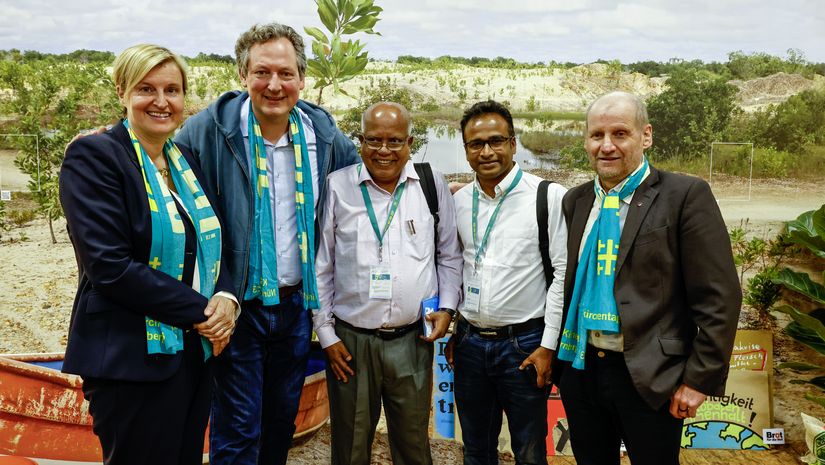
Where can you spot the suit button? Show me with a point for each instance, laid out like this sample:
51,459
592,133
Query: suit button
600,353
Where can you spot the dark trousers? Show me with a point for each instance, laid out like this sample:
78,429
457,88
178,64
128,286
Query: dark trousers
396,372
487,382
160,422
603,408
258,383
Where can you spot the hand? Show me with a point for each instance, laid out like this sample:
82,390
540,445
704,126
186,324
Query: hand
82,134
441,321
541,358
455,186
338,357
448,350
218,346
220,323
685,401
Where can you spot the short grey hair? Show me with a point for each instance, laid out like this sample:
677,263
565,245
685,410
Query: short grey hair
401,109
261,33
642,119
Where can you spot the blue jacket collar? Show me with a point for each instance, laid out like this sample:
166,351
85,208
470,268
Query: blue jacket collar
225,111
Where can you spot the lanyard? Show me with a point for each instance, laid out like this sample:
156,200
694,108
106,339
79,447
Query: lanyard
396,198
481,248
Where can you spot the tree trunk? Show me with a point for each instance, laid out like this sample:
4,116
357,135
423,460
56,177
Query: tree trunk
51,230
320,95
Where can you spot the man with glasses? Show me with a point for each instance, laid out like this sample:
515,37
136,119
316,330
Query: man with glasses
378,265
509,319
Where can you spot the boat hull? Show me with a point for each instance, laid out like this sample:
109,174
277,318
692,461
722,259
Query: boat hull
45,420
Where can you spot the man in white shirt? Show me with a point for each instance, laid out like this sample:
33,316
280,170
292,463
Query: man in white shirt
377,263
506,335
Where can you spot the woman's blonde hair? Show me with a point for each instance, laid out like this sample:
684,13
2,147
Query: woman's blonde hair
134,63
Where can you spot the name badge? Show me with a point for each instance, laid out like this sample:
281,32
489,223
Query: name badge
472,294
380,282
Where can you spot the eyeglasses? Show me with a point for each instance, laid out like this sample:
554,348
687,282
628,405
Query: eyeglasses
392,145
496,144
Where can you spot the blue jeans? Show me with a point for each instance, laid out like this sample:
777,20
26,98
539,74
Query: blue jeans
258,383
487,382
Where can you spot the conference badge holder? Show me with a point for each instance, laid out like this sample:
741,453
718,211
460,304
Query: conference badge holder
380,282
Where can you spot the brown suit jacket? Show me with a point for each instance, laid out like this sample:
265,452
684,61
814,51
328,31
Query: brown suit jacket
677,290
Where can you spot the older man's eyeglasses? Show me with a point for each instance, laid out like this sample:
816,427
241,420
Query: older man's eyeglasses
496,143
392,145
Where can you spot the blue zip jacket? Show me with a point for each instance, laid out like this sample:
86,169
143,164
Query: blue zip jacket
214,137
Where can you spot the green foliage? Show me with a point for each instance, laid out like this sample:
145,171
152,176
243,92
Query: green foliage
808,230
574,156
762,292
532,105
386,91
20,218
690,114
744,66
546,142
793,124
798,366
757,253
449,62
338,60
54,100
4,221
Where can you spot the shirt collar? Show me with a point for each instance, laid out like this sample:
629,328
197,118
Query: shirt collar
503,184
407,173
618,187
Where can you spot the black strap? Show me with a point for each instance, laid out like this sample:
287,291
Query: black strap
544,239
425,172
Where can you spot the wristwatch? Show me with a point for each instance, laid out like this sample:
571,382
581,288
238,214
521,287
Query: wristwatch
449,311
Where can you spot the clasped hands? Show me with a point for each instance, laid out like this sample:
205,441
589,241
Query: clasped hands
220,322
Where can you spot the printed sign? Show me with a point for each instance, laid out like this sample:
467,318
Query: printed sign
444,419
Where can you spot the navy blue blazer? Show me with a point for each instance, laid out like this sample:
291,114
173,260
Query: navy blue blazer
104,199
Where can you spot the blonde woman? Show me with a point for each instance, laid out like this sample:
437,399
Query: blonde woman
152,306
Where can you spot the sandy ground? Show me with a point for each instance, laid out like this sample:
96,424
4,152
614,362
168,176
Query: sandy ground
39,281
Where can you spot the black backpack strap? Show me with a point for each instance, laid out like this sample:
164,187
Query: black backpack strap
425,172
544,239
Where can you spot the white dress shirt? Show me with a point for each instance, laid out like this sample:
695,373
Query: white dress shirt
614,342
349,248
280,170
511,273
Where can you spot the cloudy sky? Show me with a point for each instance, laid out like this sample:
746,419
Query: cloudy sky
536,30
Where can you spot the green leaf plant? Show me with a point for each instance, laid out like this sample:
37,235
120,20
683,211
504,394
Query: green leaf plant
808,231
337,60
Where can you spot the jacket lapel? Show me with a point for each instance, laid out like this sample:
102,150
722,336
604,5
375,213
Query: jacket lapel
121,134
580,214
639,206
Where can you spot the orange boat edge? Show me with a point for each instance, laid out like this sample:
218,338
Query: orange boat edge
44,419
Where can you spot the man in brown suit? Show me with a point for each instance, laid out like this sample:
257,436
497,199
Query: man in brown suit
675,297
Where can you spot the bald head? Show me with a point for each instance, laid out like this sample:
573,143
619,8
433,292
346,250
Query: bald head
618,98
390,110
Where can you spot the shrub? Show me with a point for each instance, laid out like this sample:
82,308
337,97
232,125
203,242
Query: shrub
20,218
762,292
574,156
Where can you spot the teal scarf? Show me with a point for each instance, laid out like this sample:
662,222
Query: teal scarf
593,305
169,238
263,266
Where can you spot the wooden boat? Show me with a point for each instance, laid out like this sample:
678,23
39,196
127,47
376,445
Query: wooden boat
44,419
